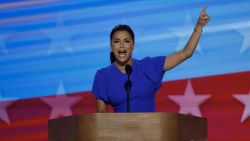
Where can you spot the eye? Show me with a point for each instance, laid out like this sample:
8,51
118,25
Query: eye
127,41
116,41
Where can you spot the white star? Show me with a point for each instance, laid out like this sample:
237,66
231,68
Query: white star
184,32
245,32
60,38
244,99
61,104
4,103
189,102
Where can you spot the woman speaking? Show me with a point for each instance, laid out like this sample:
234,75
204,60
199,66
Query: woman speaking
130,85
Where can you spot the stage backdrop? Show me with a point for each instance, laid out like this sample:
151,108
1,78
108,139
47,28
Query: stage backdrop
51,49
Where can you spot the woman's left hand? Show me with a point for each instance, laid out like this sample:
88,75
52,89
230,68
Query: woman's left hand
203,18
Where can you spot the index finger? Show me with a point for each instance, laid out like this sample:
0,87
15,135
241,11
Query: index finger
204,8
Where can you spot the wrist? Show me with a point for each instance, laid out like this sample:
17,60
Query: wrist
198,28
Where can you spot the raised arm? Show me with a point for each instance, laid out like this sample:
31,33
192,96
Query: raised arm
178,57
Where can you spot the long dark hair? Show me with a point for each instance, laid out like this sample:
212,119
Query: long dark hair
120,27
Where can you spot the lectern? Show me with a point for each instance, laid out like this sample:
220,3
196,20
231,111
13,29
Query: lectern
128,127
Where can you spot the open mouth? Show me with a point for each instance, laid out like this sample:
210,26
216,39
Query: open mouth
122,53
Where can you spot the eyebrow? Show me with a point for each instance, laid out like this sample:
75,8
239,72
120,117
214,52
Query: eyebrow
123,39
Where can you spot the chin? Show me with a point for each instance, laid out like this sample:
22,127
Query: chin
122,61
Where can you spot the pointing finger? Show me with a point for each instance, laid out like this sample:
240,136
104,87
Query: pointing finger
204,8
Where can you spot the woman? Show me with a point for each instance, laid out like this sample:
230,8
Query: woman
147,74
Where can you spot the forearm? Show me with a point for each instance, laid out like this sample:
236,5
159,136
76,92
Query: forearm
191,45
101,106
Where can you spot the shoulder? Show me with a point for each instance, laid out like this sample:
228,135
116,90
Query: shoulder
152,60
104,71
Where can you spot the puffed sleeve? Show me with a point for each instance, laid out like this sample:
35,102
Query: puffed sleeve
153,67
99,87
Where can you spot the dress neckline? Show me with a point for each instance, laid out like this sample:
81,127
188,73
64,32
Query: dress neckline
119,71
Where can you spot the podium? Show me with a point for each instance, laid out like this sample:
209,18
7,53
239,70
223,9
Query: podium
128,127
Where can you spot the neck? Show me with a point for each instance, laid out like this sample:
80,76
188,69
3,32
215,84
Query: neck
121,66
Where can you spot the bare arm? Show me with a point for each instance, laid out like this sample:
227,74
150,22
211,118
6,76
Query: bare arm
101,106
178,57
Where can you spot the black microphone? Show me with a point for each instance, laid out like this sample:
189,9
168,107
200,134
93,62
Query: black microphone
128,69
128,85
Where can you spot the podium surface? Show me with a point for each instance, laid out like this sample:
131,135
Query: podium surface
128,127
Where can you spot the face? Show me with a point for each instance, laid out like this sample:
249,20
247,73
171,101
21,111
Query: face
122,46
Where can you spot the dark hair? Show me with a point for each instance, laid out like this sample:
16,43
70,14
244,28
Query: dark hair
112,57
120,27
123,27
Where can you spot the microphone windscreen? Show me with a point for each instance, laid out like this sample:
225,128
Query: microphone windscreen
128,69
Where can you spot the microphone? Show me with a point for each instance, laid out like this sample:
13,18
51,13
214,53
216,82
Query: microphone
128,69
128,85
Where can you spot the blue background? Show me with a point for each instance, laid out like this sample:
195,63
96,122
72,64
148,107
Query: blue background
46,43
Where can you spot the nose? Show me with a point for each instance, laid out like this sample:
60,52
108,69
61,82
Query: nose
121,44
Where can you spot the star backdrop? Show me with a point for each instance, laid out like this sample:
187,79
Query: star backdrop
50,51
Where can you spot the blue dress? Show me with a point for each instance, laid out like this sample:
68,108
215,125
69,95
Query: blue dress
146,79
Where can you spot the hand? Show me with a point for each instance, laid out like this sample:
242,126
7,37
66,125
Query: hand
203,18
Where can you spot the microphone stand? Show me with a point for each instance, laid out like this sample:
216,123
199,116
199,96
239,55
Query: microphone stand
128,85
